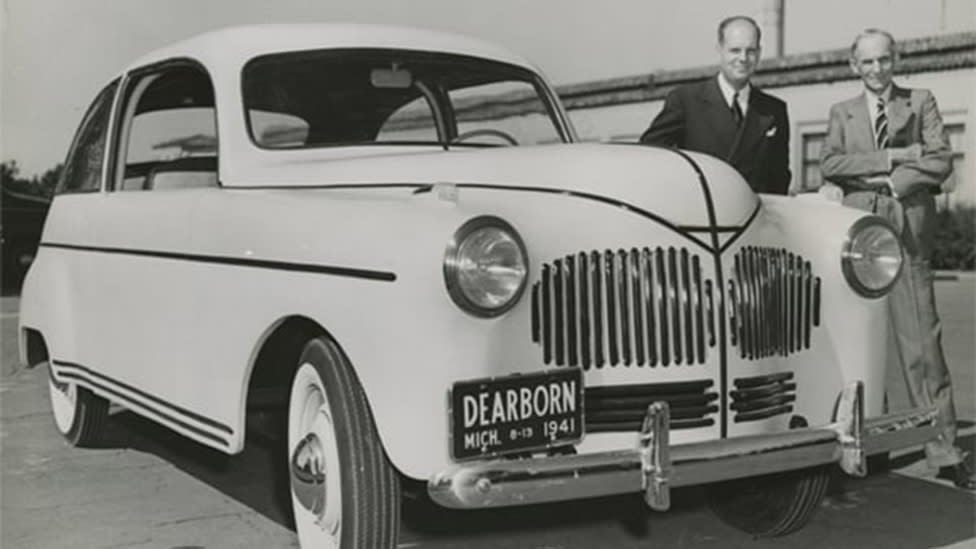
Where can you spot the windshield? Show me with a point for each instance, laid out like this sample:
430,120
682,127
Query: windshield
390,97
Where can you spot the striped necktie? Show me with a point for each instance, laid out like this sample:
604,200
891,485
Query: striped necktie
881,126
736,109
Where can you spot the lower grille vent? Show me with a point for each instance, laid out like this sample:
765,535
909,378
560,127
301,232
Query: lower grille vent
622,407
760,397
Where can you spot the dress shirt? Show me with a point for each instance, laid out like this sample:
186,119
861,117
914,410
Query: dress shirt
872,99
728,92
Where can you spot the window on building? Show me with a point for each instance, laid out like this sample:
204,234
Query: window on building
957,181
810,179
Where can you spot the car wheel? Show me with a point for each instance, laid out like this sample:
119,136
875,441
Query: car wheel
770,505
79,414
344,492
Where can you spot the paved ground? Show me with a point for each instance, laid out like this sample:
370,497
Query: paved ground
148,488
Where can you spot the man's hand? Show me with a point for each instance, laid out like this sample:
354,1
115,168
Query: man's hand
904,155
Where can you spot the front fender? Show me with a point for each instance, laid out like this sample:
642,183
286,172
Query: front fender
851,342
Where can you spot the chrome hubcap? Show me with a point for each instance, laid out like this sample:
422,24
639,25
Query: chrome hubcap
307,473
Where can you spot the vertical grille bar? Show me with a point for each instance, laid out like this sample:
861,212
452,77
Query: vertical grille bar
689,319
546,317
637,294
675,297
597,288
798,303
536,313
662,299
742,299
772,300
560,299
611,279
734,318
585,314
769,293
754,306
756,299
807,316
710,313
649,289
778,271
745,308
800,300
785,298
816,301
623,271
772,306
791,337
571,317
699,310
757,269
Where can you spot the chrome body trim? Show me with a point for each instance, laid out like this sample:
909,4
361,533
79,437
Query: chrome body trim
654,466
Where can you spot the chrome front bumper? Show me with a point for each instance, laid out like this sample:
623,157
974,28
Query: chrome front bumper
655,466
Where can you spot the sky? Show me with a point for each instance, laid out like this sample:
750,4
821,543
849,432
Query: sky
56,54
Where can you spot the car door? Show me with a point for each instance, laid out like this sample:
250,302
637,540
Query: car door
164,161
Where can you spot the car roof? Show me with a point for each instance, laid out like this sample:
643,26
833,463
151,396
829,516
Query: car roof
239,44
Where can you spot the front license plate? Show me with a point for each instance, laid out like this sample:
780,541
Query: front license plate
516,413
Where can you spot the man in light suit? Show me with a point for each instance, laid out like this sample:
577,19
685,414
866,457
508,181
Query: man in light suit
887,150
727,117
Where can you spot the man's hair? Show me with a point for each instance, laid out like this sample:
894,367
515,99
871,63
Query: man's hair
729,20
874,32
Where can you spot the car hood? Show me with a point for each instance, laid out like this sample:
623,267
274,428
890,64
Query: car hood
683,188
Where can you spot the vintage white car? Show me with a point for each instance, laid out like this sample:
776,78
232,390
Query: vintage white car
387,239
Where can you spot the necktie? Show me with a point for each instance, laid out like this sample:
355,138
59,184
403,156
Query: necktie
736,109
881,126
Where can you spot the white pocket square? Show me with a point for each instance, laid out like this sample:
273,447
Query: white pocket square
771,132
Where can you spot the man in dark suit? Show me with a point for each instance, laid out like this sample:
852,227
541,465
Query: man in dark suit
729,118
887,150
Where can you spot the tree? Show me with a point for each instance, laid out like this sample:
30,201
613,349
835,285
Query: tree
42,185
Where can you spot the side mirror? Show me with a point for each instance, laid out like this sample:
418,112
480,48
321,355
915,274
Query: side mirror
391,78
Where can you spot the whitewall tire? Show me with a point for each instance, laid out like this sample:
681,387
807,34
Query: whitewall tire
79,414
344,492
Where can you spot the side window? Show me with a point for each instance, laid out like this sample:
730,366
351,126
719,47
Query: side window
168,136
83,167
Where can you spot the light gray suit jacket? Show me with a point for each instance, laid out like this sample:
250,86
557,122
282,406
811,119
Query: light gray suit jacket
850,155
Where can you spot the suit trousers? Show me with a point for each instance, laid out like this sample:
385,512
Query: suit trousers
913,318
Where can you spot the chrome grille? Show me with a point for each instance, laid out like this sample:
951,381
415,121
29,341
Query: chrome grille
760,397
774,301
623,407
639,306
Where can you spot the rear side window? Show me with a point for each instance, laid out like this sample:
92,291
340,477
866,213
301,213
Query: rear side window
168,130
83,167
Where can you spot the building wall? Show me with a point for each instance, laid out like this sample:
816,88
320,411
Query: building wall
809,104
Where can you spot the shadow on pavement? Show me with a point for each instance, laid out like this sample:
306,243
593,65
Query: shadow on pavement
257,477
883,510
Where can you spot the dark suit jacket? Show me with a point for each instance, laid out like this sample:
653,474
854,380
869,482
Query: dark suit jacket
697,118
850,155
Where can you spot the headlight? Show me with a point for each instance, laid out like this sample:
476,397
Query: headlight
485,266
872,257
